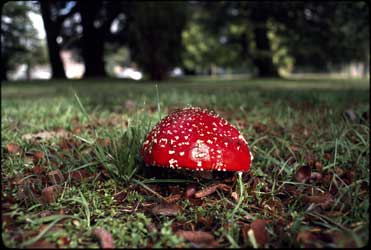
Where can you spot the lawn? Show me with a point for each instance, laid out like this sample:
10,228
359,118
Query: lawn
72,174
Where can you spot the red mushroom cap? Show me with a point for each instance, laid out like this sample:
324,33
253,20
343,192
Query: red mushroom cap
196,139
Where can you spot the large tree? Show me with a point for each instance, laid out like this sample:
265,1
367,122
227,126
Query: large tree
53,20
155,40
96,21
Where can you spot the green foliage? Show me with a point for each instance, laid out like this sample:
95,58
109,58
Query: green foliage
203,50
123,157
19,41
116,56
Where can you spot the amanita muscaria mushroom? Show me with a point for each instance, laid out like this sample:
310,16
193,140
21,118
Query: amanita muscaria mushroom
196,139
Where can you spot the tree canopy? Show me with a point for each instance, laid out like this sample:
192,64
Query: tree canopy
268,38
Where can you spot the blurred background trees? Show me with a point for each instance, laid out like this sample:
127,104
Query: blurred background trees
262,39
19,41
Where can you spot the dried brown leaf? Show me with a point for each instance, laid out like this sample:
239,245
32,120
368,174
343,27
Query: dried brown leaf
167,209
235,196
173,198
244,231
327,156
303,174
37,169
104,237
55,177
38,156
318,165
212,189
258,226
28,189
190,191
13,148
316,176
198,237
324,200
46,135
305,237
50,194
81,174
310,158
206,221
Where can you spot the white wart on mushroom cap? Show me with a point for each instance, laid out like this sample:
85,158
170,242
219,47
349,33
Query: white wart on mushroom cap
196,139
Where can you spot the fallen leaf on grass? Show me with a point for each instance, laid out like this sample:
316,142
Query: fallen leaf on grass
104,237
50,194
324,200
313,237
204,239
315,176
55,177
81,174
166,209
38,156
310,159
190,191
258,226
303,174
172,198
212,189
206,221
37,169
29,190
235,196
318,165
46,135
305,237
273,206
13,148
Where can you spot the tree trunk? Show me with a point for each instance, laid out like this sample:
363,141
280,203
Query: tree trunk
263,60
157,72
28,71
52,31
4,69
92,41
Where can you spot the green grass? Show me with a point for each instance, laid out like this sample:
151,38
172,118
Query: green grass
287,122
